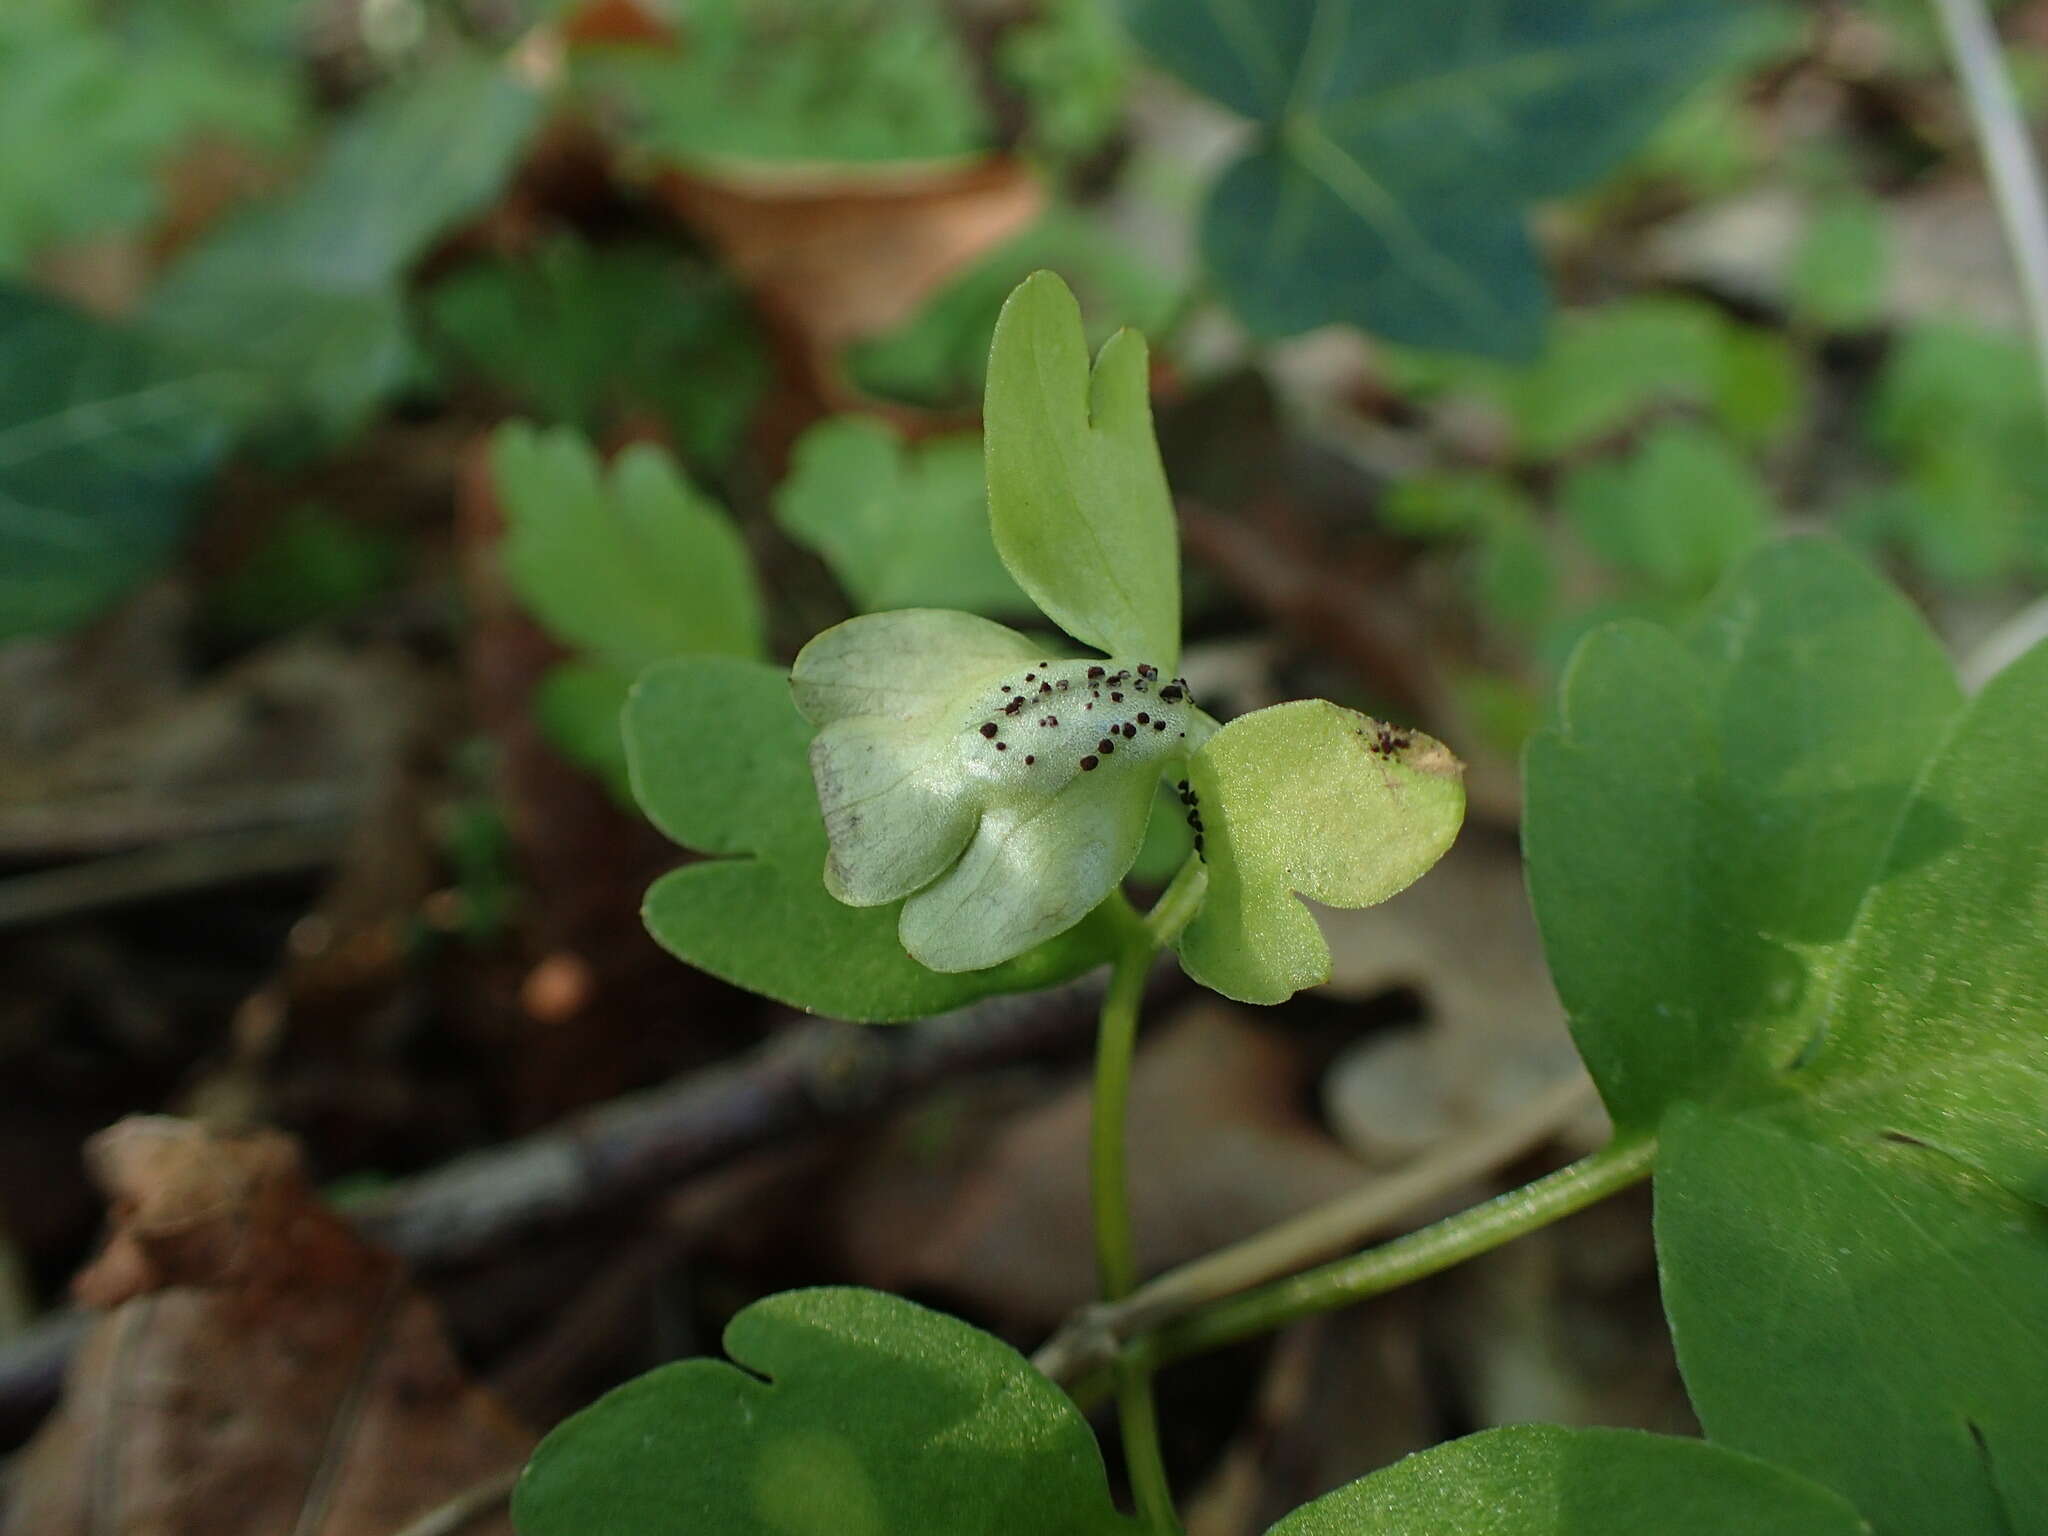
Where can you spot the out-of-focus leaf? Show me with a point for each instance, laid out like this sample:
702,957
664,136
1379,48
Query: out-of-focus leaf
313,565
633,565
1399,146
306,287
799,80
1838,276
902,526
941,357
90,108
1960,410
106,441
1072,64
579,704
577,335
1677,513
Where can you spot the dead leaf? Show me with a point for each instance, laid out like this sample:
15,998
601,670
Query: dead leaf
262,1370
837,256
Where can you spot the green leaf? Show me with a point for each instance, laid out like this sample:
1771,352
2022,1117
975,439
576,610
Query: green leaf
1677,513
582,336
719,759
1838,275
314,565
1311,799
92,106
106,442
940,358
1543,1480
1793,894
843,81
306,288
578,705
1072,66
1077,496
634,565
901,526
1705,818
1399,145
844,1413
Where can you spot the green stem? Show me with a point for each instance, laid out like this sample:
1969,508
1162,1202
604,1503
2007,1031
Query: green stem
1404,1260
1115,1248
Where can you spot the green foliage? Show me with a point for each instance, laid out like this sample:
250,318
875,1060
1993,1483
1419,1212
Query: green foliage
313,565
90,110
720,762
1705,818
902,526
1609,367
631,564
307,286
1540,1480
628,567
1792,891
1675,514
1310,798
1399,145
1839,274
584,335
1961,412
1071,64
106,443
799,80
1077,496
845,1413
940,358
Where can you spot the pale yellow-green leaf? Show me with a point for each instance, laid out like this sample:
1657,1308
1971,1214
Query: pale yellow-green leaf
1308,799
1078,500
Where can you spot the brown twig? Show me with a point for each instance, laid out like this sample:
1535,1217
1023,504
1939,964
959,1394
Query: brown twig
809,1078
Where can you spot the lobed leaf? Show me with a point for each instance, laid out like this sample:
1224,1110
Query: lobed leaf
106,441
1543,1480
844,1413
719,761
1077,496
633,564
1793,893
1312,799
1399,144
901,526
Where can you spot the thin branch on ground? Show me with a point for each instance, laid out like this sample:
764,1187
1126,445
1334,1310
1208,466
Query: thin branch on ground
1091,1340
811,1077
466,1507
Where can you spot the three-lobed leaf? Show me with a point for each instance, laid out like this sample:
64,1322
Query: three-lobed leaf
844,1413
1307,799
630,563
902,526
1399,145
1792,891
720,762
1077,496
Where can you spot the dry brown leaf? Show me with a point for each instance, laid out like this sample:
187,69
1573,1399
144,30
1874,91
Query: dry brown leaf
262,1370
835,257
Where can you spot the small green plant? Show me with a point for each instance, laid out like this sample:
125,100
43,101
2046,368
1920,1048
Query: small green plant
1791,883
